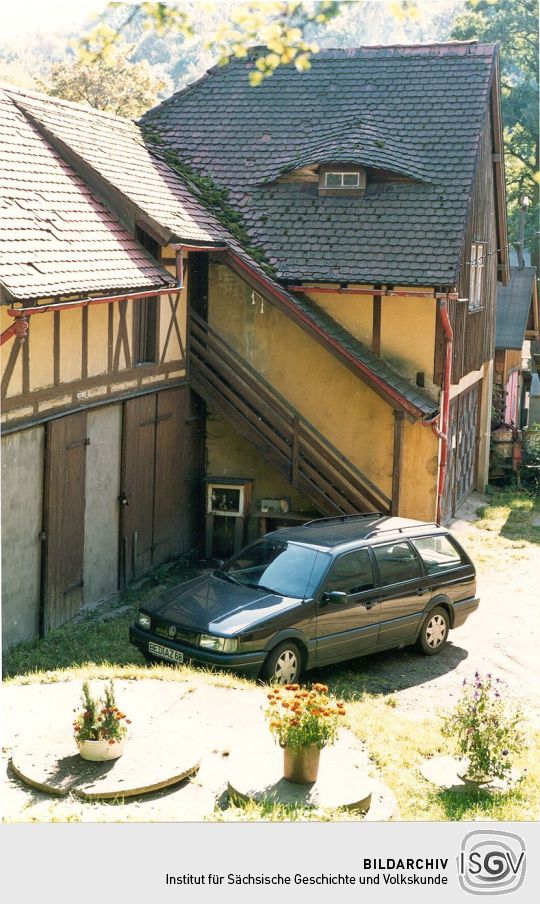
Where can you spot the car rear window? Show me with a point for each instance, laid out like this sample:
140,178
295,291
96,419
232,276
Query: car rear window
437,553
397,562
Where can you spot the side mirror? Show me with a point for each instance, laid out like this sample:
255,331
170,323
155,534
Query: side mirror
335,596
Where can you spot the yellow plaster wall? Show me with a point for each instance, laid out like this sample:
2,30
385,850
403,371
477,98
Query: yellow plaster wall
174,352
230,455
98,333
408,336
325,392
407,327
70,345
41,350
418,495
354,312
356,420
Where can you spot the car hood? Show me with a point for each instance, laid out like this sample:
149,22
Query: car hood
215,606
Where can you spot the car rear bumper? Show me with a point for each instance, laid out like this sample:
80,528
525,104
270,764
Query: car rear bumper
463,609
245,663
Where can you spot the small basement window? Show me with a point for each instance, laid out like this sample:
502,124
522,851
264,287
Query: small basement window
476,275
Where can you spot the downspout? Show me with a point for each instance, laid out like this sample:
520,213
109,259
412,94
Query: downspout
444,417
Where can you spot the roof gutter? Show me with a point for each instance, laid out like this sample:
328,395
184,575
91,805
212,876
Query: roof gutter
20,325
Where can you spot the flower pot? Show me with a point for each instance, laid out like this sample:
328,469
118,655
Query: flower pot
301,765
474,781
98,751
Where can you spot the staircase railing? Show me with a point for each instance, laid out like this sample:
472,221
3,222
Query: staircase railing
264,417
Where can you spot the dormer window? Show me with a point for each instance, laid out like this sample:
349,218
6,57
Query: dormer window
342,179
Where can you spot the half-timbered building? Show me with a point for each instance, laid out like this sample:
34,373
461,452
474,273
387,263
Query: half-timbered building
290,287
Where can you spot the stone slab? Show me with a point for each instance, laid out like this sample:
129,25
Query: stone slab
52,764
341,783
443,771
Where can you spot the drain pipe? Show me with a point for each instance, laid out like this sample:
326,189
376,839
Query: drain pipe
444,421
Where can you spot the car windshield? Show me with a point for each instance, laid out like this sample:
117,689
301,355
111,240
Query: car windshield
280,567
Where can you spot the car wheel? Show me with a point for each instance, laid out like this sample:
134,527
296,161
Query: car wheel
434,632
149,658
283,665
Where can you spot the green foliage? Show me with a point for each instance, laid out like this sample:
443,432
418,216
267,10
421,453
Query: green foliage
100,719
513,24
111,83
215,198
486,727
298,717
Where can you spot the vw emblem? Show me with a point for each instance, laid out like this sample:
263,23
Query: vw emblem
172,631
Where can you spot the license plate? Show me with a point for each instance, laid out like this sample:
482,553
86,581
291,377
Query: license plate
165,652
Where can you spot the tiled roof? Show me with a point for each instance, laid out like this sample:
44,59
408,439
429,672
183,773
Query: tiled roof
418,111
115,151
513,306
55,237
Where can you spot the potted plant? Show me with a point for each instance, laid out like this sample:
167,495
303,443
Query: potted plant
486,728
303,722
100,728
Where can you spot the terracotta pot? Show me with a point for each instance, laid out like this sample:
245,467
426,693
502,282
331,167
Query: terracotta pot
301,765
98,751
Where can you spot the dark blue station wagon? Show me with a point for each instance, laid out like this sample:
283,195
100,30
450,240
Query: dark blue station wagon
331,590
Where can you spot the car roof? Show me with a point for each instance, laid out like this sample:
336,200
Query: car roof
347,530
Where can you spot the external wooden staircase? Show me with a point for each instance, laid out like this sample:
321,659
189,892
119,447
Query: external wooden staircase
234,389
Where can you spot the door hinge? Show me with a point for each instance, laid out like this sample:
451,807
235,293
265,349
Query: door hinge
43,536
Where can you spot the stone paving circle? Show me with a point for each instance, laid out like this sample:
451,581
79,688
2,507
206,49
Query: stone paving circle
52,764
445,772
343,782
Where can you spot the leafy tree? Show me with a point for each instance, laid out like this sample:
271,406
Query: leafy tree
111,83
513,24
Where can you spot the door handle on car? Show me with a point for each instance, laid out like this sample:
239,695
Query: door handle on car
370,605
420,591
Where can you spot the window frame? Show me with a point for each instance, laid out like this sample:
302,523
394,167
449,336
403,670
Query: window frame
461,561
342,173
476,275
406,540
350,552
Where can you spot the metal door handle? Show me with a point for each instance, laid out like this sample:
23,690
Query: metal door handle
420,591
370,605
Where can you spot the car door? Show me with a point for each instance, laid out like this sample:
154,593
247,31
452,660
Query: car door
350,627
404,592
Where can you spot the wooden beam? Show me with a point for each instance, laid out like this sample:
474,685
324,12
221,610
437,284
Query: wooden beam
397,461
376,331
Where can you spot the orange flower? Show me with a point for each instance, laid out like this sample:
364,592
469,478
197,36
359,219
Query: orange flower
292,687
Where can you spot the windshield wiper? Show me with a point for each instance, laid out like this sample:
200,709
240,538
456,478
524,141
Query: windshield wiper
227,577
261,587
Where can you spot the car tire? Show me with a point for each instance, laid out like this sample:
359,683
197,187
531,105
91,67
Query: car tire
283,665
434,632
151,660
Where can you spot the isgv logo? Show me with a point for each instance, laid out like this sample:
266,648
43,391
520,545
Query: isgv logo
491,863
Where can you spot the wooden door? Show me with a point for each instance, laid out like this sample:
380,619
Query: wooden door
194,471
64,507
169,504
137,487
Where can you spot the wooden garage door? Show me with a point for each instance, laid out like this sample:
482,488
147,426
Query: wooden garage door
162,461
462,449
63,536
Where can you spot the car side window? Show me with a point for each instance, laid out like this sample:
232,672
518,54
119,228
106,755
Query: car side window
438,553
397,562
351,573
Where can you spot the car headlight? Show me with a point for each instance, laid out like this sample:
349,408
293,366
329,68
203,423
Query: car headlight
219,644
144,621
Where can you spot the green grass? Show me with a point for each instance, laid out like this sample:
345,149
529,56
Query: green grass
90,638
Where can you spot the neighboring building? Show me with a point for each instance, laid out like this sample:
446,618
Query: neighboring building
517,324
341,305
